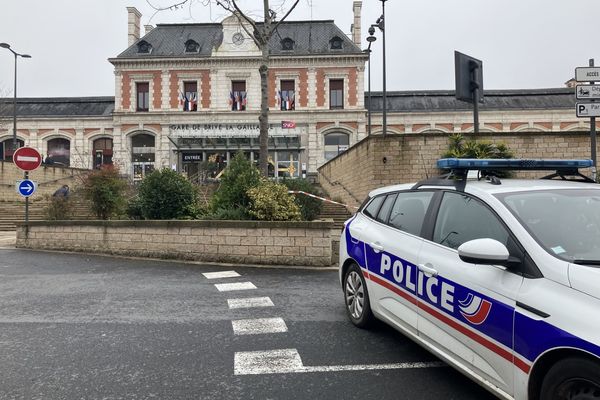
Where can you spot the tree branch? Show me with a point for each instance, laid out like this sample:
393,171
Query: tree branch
284,17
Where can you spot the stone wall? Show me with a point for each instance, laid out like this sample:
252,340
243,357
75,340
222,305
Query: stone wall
244,242
378,161
48,179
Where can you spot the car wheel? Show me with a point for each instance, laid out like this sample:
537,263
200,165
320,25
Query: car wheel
357,298
572,379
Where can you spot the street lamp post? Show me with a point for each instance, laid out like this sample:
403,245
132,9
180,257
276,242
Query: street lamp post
382,27
7,46
371,38
380,23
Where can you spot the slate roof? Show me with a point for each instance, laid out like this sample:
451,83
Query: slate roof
443,100
56,107
310,37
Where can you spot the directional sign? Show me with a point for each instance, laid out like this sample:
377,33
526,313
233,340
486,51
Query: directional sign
27,158
585,110
587,74
26,187
585,92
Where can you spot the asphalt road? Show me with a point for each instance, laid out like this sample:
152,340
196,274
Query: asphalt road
89,327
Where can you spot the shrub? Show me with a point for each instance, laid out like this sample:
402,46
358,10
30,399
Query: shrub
270,201
58,208
310,208
134,208
458,147
105,190
239,213
239,176
166,194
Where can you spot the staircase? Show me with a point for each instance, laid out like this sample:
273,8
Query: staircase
14,211
338,213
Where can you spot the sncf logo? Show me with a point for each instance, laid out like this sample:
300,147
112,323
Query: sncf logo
474,309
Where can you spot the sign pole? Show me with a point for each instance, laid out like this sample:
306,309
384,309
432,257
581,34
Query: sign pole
26,176
593,136
475,89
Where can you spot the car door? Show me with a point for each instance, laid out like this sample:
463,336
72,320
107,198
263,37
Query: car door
392,251
358,230
467,310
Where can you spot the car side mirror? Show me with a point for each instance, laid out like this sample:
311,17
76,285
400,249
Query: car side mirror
484,251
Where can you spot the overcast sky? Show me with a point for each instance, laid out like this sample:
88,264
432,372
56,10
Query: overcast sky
523,43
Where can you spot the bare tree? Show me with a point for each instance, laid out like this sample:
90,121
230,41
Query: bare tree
261,35
6,108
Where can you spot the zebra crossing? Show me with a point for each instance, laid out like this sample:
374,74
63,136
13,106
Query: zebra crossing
277,361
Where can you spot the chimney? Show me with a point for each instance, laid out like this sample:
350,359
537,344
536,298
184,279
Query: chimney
148,28
133,25
356,34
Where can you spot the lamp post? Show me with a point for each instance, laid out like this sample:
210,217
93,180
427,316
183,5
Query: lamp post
371,38
7,46
380,23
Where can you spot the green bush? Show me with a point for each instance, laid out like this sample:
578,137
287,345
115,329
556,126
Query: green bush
239,213
105,190
458,147
310,208
58,208
166,194
270,201
239,176
134,208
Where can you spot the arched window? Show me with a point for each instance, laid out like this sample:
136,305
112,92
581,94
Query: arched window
103,152
6,149
142,155
59,152
336,143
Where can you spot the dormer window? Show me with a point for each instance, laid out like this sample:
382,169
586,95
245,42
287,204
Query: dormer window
336,43
287,44
191,46
144,47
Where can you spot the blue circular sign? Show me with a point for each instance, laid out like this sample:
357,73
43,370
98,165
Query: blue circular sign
26,187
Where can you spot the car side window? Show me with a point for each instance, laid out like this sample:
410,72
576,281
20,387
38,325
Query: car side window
372,208
462,218
408,212
384,211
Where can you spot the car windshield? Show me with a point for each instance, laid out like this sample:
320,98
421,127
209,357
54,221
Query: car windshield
565,222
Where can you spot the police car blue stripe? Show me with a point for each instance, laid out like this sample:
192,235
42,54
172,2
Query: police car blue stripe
531,337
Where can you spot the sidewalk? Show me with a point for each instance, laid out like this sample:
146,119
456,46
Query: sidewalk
8,239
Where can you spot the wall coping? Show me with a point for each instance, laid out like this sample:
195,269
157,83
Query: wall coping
324,224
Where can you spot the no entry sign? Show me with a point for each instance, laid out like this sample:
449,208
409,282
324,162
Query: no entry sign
27,158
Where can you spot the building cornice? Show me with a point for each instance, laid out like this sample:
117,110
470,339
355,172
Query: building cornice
212,62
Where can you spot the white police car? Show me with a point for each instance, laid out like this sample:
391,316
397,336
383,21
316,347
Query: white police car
498,277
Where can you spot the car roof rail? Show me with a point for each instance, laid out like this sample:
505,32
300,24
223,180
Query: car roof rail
456,178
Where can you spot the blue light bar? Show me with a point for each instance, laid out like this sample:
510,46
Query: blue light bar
511,164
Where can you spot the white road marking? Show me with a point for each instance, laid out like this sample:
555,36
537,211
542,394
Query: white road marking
282,361
258,326
250,302
288,361
221,274
228,287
